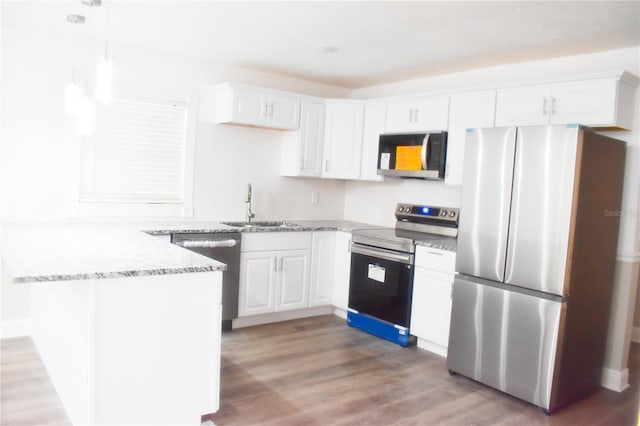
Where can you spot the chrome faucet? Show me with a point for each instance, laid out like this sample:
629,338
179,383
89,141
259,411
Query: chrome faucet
247,199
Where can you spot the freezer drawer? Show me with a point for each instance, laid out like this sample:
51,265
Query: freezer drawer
504,339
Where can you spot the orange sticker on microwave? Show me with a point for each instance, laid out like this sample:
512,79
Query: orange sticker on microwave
409,157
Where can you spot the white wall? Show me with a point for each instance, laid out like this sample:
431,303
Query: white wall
35,69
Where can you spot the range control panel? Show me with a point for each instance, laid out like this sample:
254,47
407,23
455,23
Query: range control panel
418,213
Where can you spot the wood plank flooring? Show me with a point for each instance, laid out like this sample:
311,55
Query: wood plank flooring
318,371
27,395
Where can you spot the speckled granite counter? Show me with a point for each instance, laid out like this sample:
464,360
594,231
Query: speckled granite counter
445,243
36,252
61,252
164,228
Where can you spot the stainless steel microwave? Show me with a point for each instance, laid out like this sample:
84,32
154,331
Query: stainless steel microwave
413,155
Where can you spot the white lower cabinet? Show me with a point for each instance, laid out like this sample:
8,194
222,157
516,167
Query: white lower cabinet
322,268
257,283
341,271
292,279
431,302
274,280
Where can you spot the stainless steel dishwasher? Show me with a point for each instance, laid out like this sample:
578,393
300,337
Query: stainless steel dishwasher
225,248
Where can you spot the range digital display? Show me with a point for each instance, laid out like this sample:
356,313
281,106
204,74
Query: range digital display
425,211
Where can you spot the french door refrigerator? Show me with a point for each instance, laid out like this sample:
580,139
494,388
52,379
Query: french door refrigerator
537,239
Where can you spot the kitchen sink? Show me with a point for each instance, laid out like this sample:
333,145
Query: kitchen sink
262,224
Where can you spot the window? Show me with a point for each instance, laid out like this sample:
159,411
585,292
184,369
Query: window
136,157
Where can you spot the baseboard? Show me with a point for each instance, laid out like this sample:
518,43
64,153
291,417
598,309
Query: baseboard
341,313
252,320
15,328
635,334
615,380
432,347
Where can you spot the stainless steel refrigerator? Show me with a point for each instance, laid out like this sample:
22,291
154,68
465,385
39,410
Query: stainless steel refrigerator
537,240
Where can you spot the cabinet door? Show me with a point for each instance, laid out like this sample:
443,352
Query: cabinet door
591,102
431,114
431,306
523,106
399,116
248,106
418,115
283,112
257,283
311,138
322,268
292,288
343,140
342,269
374,118
466,111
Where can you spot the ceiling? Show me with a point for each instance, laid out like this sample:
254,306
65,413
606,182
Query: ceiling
349,44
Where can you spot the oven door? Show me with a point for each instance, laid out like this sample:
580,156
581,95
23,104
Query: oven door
381,284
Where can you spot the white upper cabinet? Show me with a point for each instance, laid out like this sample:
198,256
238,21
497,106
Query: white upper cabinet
374,125
523,106
251,106
417,114
466,111
301,153
598,102
343,139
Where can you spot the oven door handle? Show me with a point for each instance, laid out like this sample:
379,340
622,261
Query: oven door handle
382,254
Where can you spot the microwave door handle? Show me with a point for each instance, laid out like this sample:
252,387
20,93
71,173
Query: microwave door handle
425,151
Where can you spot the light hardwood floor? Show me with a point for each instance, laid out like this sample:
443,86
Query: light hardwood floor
318,371
27,396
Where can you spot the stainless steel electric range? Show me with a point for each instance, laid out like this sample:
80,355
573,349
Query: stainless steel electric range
382,261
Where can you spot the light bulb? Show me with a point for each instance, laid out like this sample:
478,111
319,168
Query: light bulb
104,80
72,98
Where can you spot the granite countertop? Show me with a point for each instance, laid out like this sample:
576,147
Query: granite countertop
93,250
78,251
444,243
187,227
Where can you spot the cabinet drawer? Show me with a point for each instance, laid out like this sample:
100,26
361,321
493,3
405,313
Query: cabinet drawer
271,241
439,260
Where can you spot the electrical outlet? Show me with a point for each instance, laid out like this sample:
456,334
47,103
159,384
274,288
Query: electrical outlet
315,197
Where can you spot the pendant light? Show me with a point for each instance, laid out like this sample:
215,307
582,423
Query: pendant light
85,119
104,77
74,91
103,91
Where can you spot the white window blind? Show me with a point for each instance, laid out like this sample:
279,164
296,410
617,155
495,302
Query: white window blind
136,154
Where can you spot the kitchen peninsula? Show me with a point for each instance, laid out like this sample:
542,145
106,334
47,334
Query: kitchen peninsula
127,325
